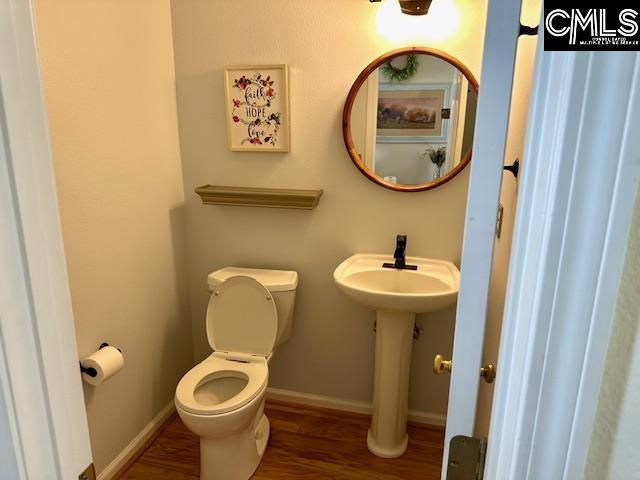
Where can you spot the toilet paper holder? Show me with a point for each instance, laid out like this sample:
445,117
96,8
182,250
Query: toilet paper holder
92,371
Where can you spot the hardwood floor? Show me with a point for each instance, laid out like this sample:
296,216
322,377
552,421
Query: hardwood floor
305,443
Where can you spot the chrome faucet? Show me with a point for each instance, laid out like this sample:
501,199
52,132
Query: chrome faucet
399,257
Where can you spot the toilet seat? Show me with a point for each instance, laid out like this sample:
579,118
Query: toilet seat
242,322
217,367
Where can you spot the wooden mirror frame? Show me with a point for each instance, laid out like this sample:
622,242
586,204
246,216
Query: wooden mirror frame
348,106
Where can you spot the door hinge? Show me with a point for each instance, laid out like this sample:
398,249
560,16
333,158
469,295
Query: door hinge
466,458
88,474
527,30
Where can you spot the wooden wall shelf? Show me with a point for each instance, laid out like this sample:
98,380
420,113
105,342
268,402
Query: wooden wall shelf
259,197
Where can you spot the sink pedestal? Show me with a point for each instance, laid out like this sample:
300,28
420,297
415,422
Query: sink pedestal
387,437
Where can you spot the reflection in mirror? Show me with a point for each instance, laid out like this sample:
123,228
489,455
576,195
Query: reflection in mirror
411,120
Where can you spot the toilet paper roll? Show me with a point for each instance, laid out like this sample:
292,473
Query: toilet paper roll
107,362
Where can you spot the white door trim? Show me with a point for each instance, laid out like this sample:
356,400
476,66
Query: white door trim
39,377
492,120
578,185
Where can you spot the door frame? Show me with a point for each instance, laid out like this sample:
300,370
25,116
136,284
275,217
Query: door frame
577,193
40,387
41,397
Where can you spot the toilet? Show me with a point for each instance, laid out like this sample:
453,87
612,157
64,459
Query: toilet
221,399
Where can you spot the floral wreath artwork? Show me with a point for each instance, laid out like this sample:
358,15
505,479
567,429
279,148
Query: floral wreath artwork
253,103
257,107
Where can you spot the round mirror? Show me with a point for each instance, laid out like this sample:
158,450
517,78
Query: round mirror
409,119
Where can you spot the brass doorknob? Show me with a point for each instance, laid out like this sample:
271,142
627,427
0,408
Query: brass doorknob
440,365
488,372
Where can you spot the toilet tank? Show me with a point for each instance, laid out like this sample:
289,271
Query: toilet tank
281,283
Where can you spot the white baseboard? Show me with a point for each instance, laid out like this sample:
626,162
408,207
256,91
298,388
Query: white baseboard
354,406
130,450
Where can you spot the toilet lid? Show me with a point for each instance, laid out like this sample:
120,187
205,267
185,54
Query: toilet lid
242,317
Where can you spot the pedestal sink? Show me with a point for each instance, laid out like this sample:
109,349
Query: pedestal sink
396,295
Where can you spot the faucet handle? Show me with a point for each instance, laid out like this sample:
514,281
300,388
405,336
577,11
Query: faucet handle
401,240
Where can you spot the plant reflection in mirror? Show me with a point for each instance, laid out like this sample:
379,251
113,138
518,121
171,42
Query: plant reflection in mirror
437,156
397,74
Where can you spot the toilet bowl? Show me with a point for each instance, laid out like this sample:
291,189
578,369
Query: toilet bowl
222,398
222,401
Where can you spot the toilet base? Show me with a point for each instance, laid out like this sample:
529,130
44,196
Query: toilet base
235,457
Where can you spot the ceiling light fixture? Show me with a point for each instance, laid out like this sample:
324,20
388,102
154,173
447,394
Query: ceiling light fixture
412,7
415,7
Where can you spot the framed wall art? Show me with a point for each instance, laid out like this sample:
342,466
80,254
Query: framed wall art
408,113
257,108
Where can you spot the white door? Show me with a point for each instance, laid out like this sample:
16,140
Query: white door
43,425
577,195
498,62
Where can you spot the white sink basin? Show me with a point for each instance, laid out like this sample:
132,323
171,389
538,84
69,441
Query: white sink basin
433,286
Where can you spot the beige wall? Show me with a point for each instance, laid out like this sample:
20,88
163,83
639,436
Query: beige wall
613,453
523,77
108,76
326,44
